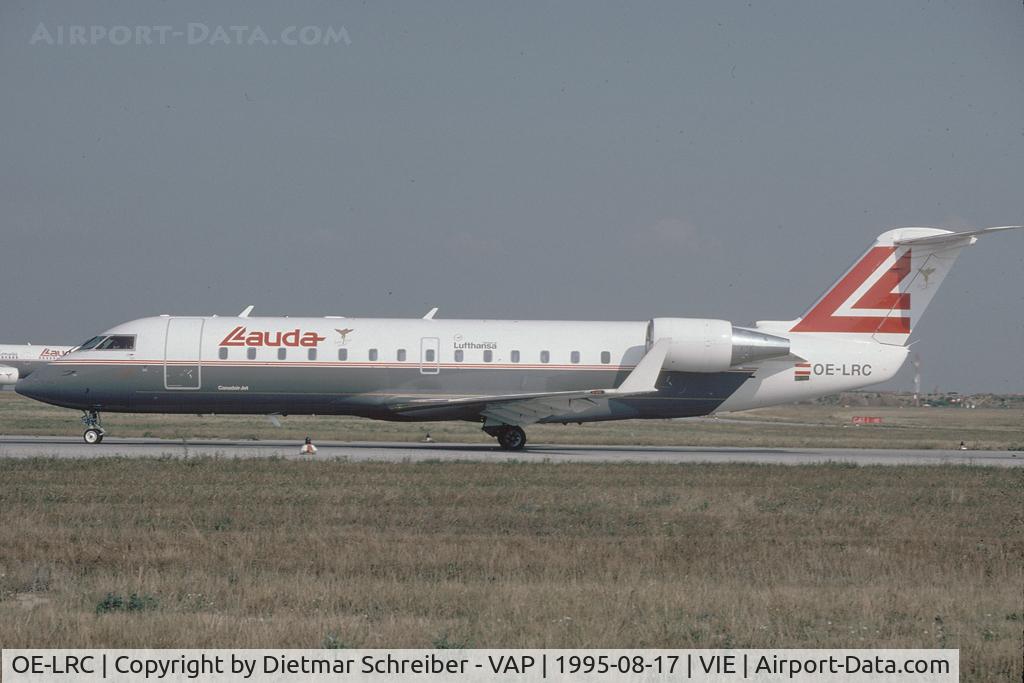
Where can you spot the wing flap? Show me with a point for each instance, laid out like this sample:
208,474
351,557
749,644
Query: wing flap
521,409
431,403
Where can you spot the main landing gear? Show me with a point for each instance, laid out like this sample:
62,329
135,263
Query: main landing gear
93,429
510,437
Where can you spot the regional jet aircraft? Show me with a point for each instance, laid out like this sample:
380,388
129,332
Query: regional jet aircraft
510,374
17,361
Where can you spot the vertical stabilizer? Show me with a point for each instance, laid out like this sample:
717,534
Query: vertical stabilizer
884,294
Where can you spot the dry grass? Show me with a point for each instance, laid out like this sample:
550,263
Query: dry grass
791,426
273,553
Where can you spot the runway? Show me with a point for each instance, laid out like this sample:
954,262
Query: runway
73,447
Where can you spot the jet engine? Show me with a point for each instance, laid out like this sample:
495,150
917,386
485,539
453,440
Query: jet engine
705,345
8,375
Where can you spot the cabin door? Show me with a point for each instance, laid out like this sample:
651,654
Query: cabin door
181,353
430,355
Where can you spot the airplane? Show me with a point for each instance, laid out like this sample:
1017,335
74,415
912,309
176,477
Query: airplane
508,374
20,360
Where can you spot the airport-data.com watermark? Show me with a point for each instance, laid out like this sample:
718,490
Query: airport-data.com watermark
191,34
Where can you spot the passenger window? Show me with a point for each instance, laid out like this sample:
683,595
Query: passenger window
342,354
282,353
250,353
606,357
429,355
312,354
117,342
223,353
459,355
488,356
515,356
574,357
545,356
373,354
401,355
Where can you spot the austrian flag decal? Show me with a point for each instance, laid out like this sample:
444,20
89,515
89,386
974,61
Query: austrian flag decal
802,372
867,299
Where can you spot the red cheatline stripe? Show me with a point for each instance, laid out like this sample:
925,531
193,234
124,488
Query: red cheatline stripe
348,364
323,365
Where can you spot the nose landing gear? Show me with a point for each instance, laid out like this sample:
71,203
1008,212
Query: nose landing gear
93,429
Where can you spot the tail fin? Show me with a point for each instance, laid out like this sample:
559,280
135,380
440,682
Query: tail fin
887,290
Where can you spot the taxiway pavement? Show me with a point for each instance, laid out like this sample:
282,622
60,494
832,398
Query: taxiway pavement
73,447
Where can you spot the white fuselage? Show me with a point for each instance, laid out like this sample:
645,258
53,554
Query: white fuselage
366,366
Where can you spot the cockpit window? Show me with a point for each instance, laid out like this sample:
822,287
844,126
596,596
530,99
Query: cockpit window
117,342
91,343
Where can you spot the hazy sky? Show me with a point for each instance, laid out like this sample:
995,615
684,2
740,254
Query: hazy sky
510,160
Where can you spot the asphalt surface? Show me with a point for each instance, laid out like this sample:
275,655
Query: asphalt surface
73,447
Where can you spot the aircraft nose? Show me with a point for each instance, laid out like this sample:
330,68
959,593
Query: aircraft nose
29,387
40,385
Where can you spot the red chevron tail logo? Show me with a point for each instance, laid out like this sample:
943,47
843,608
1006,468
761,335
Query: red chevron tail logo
849,307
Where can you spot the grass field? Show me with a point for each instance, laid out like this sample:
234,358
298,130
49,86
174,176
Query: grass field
274,553
785,426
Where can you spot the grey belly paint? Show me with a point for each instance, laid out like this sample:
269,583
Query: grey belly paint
367,392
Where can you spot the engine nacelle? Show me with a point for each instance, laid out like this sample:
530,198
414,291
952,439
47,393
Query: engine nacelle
8,375
707,345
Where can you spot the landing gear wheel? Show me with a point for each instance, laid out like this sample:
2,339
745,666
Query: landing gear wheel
93,429
512,438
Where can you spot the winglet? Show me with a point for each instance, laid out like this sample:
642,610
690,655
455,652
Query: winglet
645,374
431,313
246,312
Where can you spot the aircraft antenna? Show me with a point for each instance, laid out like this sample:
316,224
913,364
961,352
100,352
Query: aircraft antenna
916,361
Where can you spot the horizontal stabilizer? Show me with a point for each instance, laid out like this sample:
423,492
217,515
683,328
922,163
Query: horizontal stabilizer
953,237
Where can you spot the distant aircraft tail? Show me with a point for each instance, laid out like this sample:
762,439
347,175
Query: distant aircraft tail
884,294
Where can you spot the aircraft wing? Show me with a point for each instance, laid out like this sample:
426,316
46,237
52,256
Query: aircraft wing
516,409
522,409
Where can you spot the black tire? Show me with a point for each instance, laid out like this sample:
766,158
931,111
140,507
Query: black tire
92,436
512,438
